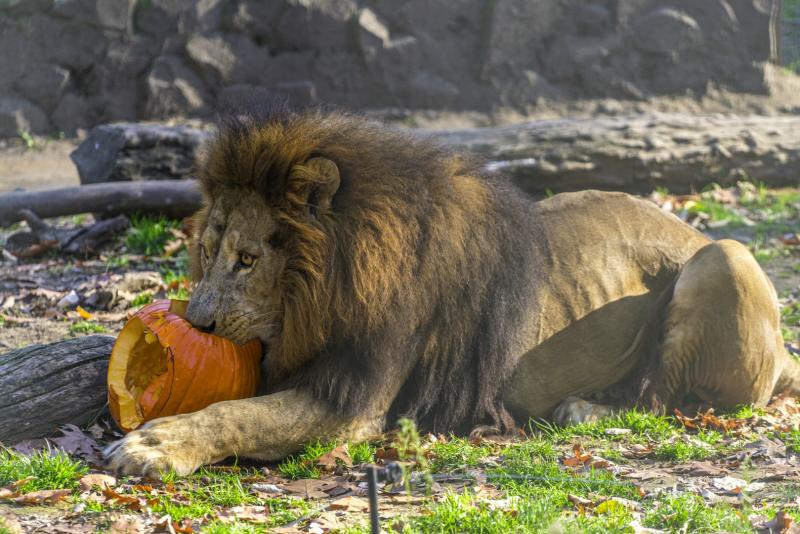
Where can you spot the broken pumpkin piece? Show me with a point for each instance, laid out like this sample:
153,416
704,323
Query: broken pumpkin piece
161,365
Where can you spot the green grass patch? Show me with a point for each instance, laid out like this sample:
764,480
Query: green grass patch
87,327
178,511
682,452
177,281
458,453
41,470
145,297
303,464
362,452
641,424
689,513
148,235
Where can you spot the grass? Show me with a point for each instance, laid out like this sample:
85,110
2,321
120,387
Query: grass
641,424
178,282
87,327
40,470
303,464
681,451
145,297
148,235
689,513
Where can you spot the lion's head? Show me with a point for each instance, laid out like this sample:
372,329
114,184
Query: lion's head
362,256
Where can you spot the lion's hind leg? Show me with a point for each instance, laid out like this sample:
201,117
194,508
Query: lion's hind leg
722,339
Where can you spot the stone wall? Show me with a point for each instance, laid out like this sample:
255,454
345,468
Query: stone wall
68,64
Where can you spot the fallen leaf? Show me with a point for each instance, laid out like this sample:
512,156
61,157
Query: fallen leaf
43,496
339,453
87,482
130,502
127,525
83,313
350,504
730,484
310,488
390,454
76,443
258,514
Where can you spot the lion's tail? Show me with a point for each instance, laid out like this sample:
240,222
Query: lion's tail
789,380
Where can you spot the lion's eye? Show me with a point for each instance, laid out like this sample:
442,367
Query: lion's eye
246,260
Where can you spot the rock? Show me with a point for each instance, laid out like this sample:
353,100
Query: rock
214,57
75,46
243,96
314,25
43,83
18,115
174,89
257,18
109,14
70,300
71,113
666,31
300,93
25,7
592,19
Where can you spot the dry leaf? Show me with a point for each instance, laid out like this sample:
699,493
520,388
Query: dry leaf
43,496
350,504
257,514
130,502
100,480
83,313
76,443
127,525
310,488
339,453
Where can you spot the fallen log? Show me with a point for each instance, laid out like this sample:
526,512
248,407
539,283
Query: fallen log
175,198
637,153
45,386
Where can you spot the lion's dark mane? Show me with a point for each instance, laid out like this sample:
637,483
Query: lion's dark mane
419,272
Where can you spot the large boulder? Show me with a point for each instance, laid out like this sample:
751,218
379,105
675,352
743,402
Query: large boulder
18,115
43,83
174,89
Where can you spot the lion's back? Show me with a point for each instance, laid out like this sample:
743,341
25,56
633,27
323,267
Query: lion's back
605,258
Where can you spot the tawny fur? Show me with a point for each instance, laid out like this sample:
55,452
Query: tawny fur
393,277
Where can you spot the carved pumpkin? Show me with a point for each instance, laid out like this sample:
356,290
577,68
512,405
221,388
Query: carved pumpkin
161,365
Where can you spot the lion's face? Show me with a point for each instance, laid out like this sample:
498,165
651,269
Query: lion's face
241,261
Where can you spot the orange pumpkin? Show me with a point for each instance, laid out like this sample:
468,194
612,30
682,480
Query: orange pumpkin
161,365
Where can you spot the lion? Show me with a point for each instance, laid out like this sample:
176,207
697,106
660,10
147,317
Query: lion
389,276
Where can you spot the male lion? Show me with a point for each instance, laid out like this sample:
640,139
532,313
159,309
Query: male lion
387,276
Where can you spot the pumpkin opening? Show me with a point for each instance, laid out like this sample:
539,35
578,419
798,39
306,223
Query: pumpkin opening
139,373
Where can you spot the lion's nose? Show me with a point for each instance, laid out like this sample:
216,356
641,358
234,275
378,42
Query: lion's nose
209,328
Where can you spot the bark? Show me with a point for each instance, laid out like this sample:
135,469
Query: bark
176,198
45,386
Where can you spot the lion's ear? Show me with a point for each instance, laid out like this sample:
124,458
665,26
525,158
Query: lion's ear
325,183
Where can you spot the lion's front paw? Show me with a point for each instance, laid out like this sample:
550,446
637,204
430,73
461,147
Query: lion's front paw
170,443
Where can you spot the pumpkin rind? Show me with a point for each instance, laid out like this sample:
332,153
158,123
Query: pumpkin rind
199,369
